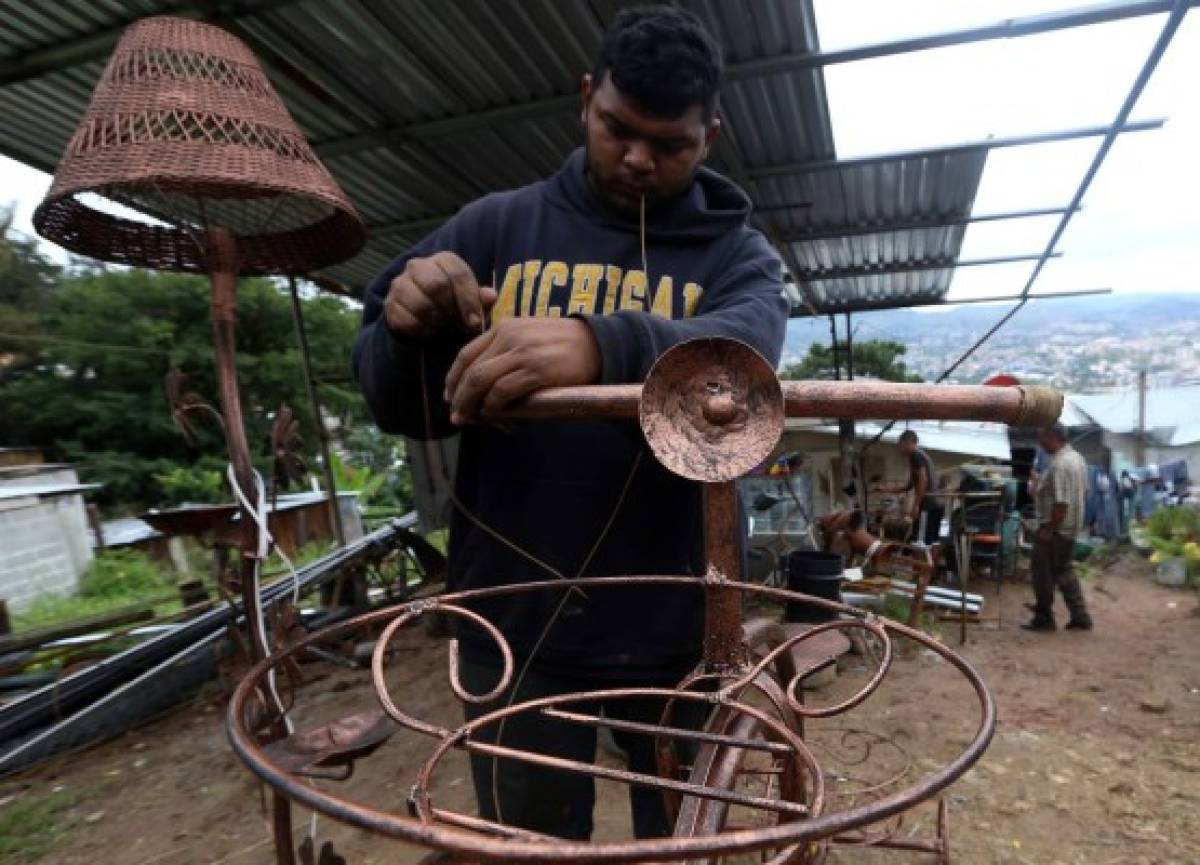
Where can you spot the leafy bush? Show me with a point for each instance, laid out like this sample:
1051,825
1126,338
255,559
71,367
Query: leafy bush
114,579
1175,533
122,574
192,484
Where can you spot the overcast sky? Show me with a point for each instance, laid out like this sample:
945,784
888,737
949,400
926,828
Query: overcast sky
1140,227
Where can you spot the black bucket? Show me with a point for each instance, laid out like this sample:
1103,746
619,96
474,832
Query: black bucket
813,573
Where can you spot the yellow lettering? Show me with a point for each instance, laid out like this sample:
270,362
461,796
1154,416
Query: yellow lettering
664,297
554,275
528,285
691,297
506,303
612,288
585,279
633,290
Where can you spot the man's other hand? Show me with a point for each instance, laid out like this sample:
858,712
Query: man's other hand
516,358
435,294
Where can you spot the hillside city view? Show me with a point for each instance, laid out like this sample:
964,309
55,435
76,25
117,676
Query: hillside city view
1084,344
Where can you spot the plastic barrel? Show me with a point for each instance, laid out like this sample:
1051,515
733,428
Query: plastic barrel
813,573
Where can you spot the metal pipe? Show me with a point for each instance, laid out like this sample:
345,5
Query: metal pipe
916,266
860,400
984,144
335,510
834,232
722,553
640,779
223,270
1178,10
673,732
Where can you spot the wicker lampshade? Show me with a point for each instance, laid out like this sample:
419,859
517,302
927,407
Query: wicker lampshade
185,134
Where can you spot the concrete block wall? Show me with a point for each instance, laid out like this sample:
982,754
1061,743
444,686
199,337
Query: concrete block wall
43,548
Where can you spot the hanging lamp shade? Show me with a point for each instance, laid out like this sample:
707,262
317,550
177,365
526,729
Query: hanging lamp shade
185,136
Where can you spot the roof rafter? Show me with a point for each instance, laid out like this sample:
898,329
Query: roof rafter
1010,28
808,275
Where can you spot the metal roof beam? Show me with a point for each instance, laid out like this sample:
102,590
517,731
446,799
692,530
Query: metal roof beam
1050,295
1178,10
951,149
863,229
98,45
851,305
911,267
1010,28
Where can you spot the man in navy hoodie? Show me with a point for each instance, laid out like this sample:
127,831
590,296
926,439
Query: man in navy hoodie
584,278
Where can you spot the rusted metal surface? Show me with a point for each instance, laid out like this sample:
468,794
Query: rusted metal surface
1027,406
711,409
723,643
800,838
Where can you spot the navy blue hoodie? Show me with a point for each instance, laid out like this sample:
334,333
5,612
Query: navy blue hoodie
554,249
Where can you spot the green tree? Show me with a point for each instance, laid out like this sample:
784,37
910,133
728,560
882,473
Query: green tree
96,347
874,358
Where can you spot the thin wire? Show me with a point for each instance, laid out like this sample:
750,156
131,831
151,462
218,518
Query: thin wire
642,232
60,341
537,645
512,545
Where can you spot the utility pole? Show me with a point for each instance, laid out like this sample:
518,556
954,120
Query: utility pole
1141,430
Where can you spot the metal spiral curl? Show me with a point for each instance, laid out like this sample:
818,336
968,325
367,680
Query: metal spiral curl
413,612
801,832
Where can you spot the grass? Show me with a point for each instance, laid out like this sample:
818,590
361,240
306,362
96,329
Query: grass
30,826
114,580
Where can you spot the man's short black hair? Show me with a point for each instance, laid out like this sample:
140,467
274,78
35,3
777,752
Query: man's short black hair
909,436
662,58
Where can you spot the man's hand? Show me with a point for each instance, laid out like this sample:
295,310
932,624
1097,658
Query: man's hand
436,293
516,358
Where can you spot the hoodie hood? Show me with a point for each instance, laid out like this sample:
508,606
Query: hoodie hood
712,206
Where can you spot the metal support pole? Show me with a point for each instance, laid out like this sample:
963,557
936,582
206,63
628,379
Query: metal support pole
322,435
223,276
722,552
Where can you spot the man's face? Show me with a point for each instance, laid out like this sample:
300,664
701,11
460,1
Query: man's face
632,154
908,447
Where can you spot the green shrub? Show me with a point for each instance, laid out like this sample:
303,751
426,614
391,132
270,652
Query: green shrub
195,484
114,579
122,574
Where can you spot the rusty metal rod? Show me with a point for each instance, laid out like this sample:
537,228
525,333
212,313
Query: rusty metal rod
673,732
639,779
859,400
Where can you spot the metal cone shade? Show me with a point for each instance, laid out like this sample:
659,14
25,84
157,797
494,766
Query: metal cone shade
185,127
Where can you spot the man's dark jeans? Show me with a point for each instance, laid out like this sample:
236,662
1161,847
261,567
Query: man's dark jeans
1051,564
551,801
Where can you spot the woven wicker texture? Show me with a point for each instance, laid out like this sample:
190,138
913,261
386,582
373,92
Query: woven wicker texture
185,133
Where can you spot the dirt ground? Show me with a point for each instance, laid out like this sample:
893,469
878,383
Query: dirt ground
1096,759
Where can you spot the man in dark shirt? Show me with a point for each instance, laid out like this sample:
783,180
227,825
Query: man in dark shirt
586,277
921,483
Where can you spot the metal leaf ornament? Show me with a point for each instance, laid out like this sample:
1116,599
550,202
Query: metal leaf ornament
182,401
287,446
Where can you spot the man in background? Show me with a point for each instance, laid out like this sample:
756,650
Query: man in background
1060,497
921,485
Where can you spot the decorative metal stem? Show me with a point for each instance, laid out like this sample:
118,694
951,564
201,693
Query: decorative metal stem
223,263
723,643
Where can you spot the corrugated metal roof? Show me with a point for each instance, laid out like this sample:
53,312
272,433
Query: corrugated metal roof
418,108
1171,413
986,440
126,531
20,491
